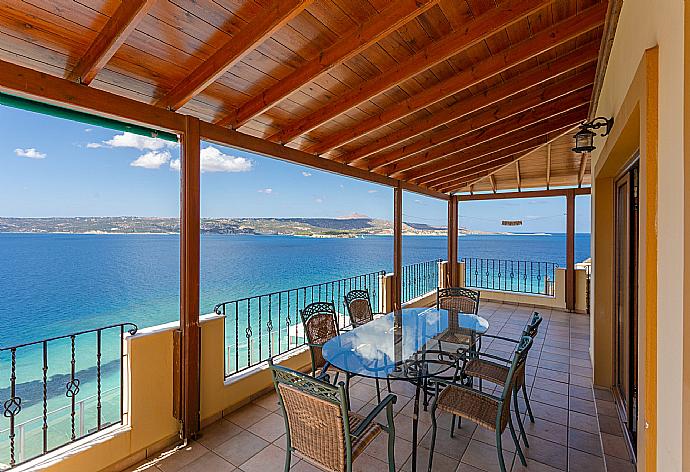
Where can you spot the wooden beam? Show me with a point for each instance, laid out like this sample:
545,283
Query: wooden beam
542,41
234,50
533,78
453,278
520,120
517,175
455,160
490,166
570,251
526,194
189,277
377,27
31,84
34,85
583,167
492,179
109,39
548,165
397,246
478,171
471,33
522,104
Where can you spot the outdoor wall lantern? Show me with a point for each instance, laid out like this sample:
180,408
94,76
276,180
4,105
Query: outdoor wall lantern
584,139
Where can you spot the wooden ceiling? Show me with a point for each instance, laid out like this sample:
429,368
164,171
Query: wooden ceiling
444,94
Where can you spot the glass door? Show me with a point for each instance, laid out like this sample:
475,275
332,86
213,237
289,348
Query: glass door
626,267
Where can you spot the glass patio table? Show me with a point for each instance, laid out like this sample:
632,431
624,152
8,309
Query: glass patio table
412,344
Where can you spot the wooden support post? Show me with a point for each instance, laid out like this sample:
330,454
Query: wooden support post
189,278
570,251
453,242
397,246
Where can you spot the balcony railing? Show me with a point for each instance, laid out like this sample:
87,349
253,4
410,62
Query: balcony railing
263,326
419,278
67,387
510,275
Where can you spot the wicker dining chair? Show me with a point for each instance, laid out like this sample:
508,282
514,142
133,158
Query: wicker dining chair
320,324
358,306
495,369
458,299
320,426
489,411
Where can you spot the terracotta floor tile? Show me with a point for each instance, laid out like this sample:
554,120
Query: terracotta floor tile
218,433
209,462
452,447
484,457
441,463
582,422
269,458
550,398
607,408
367,463
532,466
610,425
614,464
585,442
240,448
270,402
551,386
582,406
269,428
547,452
615,446
179,457
584,393
578,460
547,430
549,412
248,415
379,449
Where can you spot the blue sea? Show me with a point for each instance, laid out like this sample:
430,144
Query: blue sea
57,284
53,284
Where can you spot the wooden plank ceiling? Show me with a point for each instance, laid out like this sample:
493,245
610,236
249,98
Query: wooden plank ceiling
445,94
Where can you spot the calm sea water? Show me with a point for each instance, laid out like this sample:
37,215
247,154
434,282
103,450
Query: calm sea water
54,284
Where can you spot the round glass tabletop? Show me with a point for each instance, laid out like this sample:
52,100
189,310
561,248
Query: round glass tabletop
409,343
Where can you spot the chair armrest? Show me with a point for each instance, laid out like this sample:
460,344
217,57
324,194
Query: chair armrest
385,403
491,356
503,338
473,390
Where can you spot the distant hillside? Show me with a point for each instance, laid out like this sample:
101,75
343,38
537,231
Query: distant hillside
313,227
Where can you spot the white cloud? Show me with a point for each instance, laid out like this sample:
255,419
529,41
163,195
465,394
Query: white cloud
31,153
88,130
318,200
175,164
306,174
372,191
152,160
136,141
212,160
267,191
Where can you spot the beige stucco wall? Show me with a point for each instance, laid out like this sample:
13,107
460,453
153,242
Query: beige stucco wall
643,25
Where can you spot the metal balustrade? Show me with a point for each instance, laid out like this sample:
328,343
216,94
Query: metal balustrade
531,277
419,278
45,380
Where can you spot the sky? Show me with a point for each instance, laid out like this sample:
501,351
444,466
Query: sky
55,167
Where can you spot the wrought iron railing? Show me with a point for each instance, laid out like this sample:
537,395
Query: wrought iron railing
42,409
510,276
419,278
263,326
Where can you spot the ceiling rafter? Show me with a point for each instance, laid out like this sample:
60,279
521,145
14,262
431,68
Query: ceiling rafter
541,42
525,119
109,39
478,173
517,175
377,27
456,161
492,179
537,104
233,51
484,117
471,33
584,55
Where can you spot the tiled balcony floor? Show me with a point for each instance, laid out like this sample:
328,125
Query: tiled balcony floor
576,428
